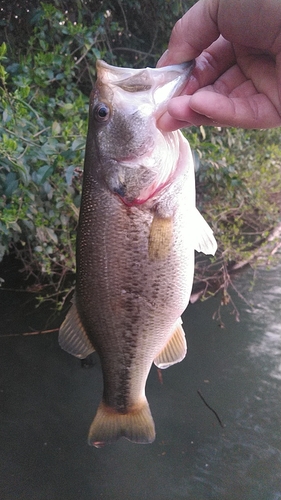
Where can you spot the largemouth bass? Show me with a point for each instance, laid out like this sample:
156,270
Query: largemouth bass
138,229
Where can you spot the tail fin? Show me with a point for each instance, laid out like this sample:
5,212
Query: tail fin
109,425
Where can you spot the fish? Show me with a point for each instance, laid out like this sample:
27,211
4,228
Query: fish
137,232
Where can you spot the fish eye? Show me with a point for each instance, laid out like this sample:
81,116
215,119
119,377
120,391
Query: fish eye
102,112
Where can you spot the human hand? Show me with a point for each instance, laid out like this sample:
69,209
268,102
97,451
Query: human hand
237,77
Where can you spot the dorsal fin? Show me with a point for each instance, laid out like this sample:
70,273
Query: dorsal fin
175,349
72,335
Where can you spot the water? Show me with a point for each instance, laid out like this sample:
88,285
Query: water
47,402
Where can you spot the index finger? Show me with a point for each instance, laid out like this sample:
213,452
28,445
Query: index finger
193,33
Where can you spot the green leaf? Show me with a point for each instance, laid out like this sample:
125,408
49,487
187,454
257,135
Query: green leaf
3,50
52,235
24,92
69,171
96,53
78,143
11,188
56,128
49,149
67,106
3,73
6,117
15,227
3,250
43,173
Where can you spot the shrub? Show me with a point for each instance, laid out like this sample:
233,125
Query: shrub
47,67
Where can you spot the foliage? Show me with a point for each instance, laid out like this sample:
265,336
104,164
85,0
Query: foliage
47,67
42,141
238,191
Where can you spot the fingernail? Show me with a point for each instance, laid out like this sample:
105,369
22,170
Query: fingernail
163,59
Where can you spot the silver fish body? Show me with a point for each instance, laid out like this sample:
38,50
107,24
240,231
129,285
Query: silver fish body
138,229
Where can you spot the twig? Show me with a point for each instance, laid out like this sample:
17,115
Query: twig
124,17
208,406
38,332
4,289
274,235
160,375
128,49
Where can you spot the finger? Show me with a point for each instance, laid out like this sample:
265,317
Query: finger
212,63
278,72
209,108
193,33
254,111
181,115
262,69
167,123
254,23
232,83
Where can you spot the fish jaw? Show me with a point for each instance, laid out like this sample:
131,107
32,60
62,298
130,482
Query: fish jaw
161,84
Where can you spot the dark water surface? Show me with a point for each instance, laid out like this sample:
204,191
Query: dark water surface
47,402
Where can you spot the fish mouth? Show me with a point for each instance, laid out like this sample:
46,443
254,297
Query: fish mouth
163,83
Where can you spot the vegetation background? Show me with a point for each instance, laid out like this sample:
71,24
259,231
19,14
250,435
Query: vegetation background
48,53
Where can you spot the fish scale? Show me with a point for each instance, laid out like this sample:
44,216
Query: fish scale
138,229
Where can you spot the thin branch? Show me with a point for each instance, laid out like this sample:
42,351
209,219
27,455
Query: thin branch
127,49
124,16
210,408
274,235
38,332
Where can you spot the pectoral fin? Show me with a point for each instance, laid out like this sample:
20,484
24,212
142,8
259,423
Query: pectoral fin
160,237
204,240
175,349
72,336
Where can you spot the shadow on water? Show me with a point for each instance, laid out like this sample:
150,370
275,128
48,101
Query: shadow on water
47,402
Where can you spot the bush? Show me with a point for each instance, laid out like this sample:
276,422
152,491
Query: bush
47,68
238,191
42,148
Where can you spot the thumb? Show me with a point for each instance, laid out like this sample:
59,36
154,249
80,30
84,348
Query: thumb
193,33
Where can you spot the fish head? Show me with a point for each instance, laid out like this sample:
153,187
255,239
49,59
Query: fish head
132,156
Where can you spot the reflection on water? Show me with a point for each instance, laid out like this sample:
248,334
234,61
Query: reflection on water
248,452
267,316
47,402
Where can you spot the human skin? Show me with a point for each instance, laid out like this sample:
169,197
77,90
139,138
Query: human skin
237,76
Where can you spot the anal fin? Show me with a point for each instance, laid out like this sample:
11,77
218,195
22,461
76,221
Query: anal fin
72,335
160,237
175,349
